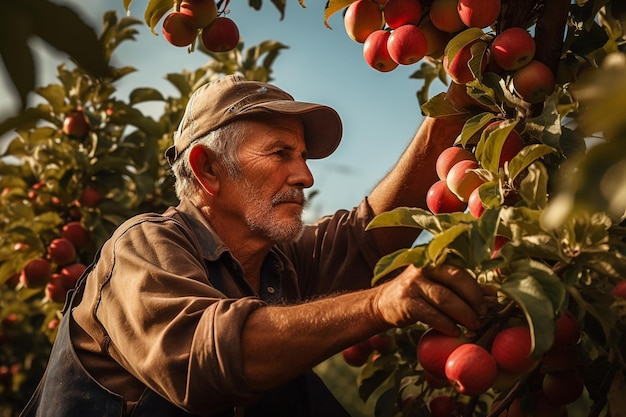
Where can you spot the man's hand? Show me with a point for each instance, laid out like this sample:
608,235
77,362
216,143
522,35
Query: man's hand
440,297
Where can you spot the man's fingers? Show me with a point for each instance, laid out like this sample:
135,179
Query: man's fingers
462,284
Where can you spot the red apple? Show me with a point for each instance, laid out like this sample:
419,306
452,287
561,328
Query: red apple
36,273
436,40
511,349
202,12
442,406
406,44
560,359
439,199
76,125
445,16
471,369
498,242
178,29
375,51
533,82
362,17
513,48
458,68
619,290
475,204
55,290
563,387
568,330
433,350
76,233
449,157
61,251
221,36
71,273
462,180
356,355
89,197
479,13
402,12
382,343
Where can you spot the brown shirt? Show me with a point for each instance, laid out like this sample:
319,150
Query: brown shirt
165,304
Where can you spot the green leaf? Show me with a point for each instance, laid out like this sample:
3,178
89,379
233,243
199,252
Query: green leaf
386,402
490,145
140,95
155,11
404,257
332,7
438,246
490,194
460,40
539,292
474,125
370,383
401,216
528,155
534,186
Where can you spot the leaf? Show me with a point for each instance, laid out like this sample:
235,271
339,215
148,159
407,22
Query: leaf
65,30
401,216
140,95
386,401
460,40
438,246
369,384
534,288
55,95
280,6
490,145
332,7
534,186
528,155
155,11
474,125
439,106
404,257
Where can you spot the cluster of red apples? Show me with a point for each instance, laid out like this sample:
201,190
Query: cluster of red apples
57,269
471,365
402,32
458,187
193,18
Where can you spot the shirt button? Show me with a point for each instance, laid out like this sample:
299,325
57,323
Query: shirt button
270,290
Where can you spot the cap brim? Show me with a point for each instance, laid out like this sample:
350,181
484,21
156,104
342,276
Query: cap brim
322,125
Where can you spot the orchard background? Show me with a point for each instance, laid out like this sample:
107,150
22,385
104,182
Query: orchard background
547,235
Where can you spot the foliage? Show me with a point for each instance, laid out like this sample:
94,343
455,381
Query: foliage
46,170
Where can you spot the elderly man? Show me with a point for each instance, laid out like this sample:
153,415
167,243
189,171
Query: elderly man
222,305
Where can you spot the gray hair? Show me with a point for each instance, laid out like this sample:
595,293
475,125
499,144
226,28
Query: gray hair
224,142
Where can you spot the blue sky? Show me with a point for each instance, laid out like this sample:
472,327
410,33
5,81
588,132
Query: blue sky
380,111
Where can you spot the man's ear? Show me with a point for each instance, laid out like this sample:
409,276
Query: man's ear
203,163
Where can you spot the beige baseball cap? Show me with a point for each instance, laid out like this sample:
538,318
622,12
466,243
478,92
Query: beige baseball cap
232,97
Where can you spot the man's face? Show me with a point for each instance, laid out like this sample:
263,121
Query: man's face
269,194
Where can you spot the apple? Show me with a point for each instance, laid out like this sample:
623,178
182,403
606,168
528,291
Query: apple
407,44
89,197
402,12
619,290
375,51
442,406
362,17
36,273
436,40
533,82
462,180
479,13
471,369
202,12
439,199
563,387
511,349
445,16
76,125
498,242
221,36
382,343
449,157
71,273
458,68
435,382
513,48
55,290
357,354
61,251
475,204
568,330
560,359
178,29
513,144
76,233
433,349
505,380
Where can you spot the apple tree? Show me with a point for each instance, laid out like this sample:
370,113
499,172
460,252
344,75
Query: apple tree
83,160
